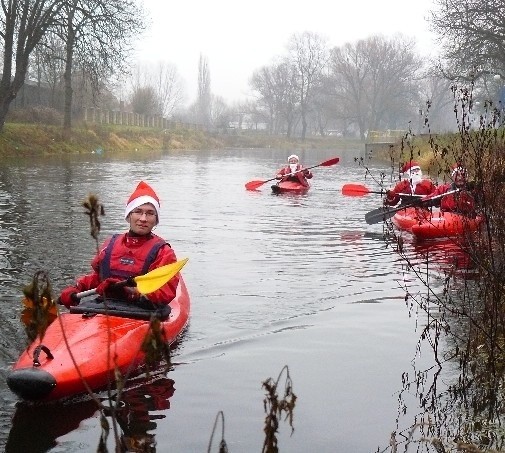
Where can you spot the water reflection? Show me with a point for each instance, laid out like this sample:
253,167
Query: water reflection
460,397
36,427
273,280
448,256
40,427
136,414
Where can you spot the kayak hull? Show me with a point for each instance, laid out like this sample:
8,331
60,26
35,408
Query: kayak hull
98,343
426,224
290,187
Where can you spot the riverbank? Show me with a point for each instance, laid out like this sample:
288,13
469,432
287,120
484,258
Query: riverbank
20,139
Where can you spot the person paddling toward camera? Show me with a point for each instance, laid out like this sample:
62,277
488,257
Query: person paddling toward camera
460,192
128,255
412,183
294,171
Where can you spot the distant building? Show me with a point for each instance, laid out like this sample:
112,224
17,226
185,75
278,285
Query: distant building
246,121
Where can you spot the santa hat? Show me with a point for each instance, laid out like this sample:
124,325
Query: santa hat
141,195
293,156
458,168
411,165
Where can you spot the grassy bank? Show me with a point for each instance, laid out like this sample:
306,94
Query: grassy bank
433,153
23,139
37,139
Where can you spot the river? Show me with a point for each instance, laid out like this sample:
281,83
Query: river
275,280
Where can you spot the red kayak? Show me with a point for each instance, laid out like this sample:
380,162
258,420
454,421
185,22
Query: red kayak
99,340
427,224
290,187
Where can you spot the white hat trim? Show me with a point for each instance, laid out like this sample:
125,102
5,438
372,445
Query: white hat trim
415,167
294,156
457,170
136,202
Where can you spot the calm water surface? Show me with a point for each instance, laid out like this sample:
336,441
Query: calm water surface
274,280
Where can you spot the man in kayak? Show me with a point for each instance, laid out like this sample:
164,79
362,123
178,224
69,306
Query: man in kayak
461,198
294,172
412,183
130,254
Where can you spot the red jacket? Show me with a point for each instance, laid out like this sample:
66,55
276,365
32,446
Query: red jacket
300,177
423,187
129,257
462,202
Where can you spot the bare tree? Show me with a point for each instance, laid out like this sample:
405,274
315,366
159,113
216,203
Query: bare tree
220,112
376,82
277,86
23,23
204,98
46,68
262,81
169,88
164,86
309,57
144,101
97,37
473,35
436,111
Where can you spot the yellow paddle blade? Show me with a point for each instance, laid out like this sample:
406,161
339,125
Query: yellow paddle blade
155,279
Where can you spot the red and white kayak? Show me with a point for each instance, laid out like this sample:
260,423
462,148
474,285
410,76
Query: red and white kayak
290,187
99,343
427,224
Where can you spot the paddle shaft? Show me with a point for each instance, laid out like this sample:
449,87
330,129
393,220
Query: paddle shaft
327,163
359,190
383,213
298,171
147,283
352,193
90,292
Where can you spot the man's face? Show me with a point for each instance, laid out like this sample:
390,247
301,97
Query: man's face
413,174
460,178
143,219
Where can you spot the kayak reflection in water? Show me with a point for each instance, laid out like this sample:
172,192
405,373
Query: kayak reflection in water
134,415
451,255
294,172
36,428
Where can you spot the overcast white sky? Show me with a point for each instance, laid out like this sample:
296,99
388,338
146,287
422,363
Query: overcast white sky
239,37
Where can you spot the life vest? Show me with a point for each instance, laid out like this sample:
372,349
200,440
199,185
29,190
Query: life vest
298,177
462,202
423,187
123,262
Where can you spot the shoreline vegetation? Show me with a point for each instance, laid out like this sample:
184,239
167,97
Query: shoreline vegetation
21,139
